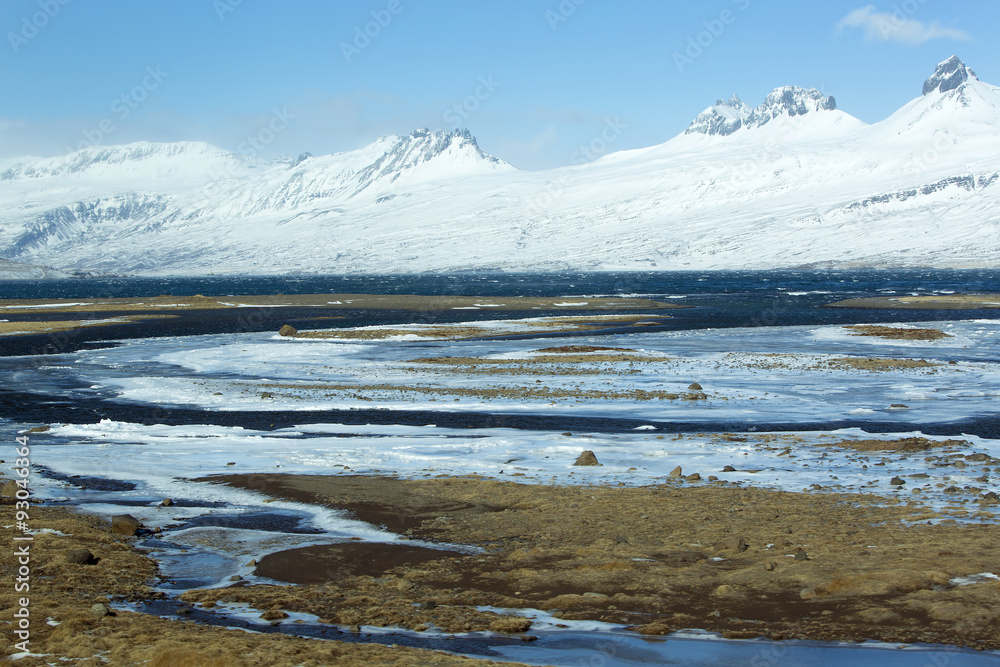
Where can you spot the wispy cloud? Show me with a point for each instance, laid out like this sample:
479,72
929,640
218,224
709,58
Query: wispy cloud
897,27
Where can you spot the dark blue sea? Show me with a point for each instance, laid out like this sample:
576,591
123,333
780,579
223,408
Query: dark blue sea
717,298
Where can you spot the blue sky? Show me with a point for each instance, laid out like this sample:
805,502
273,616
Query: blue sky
533,80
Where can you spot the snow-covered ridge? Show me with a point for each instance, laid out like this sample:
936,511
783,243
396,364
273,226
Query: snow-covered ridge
729,116
792,182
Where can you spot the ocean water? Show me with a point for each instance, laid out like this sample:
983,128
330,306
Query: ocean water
718,298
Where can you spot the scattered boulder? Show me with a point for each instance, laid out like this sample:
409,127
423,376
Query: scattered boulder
81,557
124,524
587,458
99,610
273,615
9,488
693,477
735,543
992,498
897,481
676,472
287,330
266,394
729,469
166,502
694,386
801,555
236,577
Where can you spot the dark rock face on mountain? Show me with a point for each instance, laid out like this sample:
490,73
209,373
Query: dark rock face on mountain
948,75
729,116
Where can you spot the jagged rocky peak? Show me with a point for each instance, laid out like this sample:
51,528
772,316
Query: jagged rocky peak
722,119
949,75
790,101
728,116
423,144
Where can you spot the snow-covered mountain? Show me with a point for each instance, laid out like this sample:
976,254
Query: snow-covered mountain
792,182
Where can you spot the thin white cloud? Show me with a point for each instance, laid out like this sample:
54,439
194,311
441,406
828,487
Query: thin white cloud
896,26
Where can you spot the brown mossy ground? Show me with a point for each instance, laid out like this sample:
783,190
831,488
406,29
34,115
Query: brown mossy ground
896,333
21,327
63,593
818,566
930,302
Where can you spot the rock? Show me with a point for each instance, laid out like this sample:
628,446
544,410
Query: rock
100,610
695,396
273,615
694,386
978,456
713,478
9,489
991,498
899,406
231,463
236,577
428,604
166,502
587,458
801,555
807,593
676,472
897,481
252,563
81,557
266,394
693,477
735,543
729,469
287,330
124,524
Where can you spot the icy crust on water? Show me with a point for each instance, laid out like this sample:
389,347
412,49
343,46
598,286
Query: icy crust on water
779,374
745,375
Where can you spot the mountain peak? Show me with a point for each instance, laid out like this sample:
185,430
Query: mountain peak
790,101
728,116
724,118
948,75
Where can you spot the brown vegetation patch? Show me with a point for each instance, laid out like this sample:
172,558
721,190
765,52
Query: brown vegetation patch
878,363
65,592
914,444
929,302
29,327
896,333
643,556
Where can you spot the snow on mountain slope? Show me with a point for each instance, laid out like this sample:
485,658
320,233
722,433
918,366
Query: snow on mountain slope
792,182
15,271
